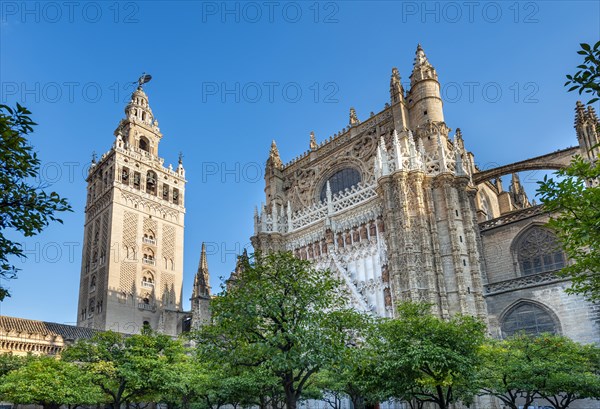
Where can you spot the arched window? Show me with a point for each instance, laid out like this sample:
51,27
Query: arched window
151,182
149,237
148,257
93,283
538,251
339,181
144,145
148,280
529,318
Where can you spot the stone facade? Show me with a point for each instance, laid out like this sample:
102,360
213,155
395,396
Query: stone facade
132,262
400,211
21,337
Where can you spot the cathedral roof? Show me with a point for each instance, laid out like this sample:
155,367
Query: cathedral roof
22,325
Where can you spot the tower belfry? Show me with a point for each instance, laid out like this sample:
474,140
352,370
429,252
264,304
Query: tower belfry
132,262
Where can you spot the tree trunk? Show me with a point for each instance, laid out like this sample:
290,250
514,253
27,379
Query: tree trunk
290,398
358,402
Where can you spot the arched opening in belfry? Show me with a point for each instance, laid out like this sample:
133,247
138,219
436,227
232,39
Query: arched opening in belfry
144,144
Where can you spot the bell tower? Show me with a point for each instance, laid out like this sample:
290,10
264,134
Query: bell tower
132,261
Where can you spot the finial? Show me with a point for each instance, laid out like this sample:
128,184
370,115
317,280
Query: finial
181,158
274,156
203,262
353,118
420,58
94,158
313,141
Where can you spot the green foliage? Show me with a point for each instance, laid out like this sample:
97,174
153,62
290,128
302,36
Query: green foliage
128,368
49,382
352,375
283,317
575,204
525,368
424,358
587,79
24,207
10,362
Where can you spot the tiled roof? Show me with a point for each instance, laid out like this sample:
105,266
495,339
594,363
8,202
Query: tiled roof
67,332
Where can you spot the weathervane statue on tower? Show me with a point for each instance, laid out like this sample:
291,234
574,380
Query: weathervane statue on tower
144,78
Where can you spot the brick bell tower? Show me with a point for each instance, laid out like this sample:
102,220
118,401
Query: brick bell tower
132,261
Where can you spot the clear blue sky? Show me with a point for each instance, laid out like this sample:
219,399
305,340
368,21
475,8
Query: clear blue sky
230,77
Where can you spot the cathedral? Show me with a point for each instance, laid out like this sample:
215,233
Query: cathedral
398,208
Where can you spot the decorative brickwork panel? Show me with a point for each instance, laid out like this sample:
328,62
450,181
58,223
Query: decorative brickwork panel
127,278
168,242
130,226
104,242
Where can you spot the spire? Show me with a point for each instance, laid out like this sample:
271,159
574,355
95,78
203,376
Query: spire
396,90
201,281
242,261
353,117
422,68
517,192
274,158
313,141
420,57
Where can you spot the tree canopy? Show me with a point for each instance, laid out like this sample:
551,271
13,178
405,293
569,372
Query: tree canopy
281,315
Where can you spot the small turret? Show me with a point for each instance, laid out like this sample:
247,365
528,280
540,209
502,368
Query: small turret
587,128
274,160
180,169
396,90
517,193
201,293
313,141
353,117
274,177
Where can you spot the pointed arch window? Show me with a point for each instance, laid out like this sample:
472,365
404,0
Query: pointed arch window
538,251
340,181
529,318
